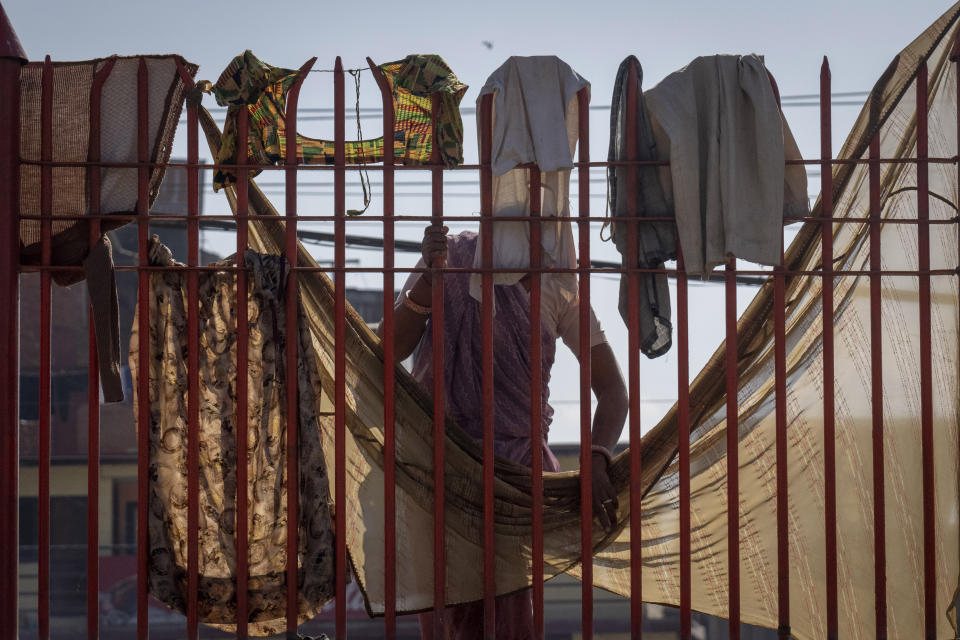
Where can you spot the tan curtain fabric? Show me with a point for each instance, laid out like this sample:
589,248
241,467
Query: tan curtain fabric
891,111
266,452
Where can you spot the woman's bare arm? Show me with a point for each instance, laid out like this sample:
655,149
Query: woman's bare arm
408,325
612,403
608,419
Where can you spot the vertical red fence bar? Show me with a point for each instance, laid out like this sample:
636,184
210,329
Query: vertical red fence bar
955,58
586,455
12,57
292,351
683,444
876,396
293,332
633,356
926,365
439,394
829,432
780,441
93,388
733,452
193,364
43,437
241,426
389,369
780,411
143,376
486,328
93,424
340,362
536,408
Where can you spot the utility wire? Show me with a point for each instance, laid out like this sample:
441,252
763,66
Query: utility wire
276,186
470,111
593,107
413,246
322,114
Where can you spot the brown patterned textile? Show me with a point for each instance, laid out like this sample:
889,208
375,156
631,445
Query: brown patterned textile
266,454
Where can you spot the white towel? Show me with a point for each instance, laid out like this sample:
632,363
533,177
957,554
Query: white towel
535,120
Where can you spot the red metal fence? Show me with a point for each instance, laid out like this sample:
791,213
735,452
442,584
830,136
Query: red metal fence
10,270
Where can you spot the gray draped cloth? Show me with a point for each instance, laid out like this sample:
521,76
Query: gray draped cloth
73,86
266,451
718,123
656,241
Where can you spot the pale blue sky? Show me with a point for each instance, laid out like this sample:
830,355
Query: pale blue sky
859,36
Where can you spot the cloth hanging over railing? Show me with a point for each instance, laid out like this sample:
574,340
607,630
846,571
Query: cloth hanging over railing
656,241
266,459
535,120
250,83
74,87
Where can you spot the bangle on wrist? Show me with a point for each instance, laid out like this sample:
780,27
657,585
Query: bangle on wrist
418,309
602,451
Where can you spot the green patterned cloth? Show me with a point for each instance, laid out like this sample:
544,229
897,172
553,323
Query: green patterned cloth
262,89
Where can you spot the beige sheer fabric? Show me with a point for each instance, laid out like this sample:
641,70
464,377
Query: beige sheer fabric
891,112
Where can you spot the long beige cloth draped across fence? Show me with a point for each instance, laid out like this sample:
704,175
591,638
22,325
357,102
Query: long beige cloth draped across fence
889,111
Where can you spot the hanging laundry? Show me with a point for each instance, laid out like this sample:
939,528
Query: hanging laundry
656,241
726,139
72,141
265,456
891,114
262,89
535,120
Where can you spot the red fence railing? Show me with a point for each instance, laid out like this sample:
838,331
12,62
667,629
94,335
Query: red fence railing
10,268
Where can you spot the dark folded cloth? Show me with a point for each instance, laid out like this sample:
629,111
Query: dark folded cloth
656,241
102,286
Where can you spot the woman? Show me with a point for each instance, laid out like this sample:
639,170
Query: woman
463,383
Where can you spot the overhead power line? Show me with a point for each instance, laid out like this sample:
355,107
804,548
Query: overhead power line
277,186
413,246
593,107
321,114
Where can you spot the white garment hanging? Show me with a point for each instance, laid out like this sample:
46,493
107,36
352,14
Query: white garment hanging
535,120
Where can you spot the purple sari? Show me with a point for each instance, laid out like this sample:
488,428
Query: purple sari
463,377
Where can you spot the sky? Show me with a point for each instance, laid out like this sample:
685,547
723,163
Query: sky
859,37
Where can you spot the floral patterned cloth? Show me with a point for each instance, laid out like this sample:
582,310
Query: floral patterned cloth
266,453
